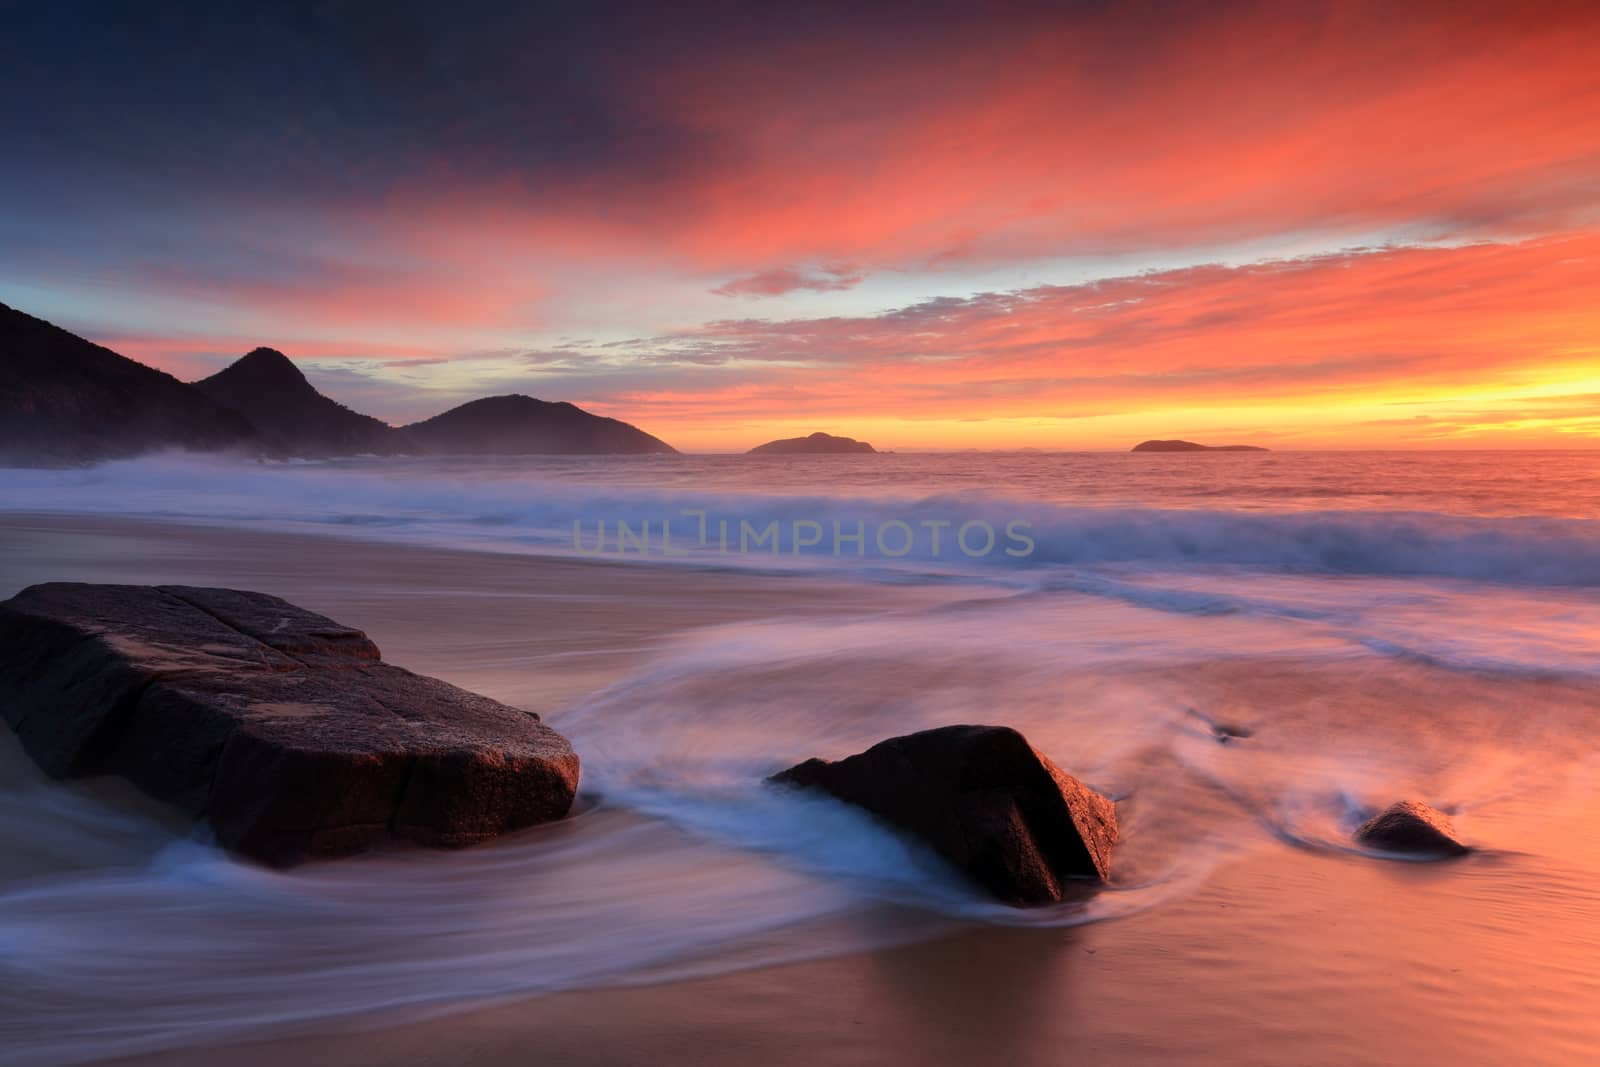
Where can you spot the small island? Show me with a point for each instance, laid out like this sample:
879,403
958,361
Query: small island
1190,446
815,445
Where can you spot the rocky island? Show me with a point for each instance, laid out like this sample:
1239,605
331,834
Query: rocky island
817,444
1190,446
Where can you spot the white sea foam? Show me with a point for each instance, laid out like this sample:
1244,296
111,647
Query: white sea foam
528,509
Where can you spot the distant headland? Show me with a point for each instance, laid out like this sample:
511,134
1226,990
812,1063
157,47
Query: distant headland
1190,446
815,445
65,400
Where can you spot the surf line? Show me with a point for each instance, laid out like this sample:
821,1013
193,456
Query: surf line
892,538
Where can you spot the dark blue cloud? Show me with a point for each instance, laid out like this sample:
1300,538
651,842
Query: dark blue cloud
322,100
336,98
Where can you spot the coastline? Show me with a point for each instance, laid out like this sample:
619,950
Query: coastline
1406,962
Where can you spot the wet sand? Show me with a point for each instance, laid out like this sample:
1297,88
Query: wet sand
1276,962
457,615
1283,958
1283,954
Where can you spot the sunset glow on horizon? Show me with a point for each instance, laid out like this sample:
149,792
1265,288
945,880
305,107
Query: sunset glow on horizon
1302,226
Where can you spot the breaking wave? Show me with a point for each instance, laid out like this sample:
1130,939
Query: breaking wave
901,537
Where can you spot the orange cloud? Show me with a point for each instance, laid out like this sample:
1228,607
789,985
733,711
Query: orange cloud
1337,336
1468,345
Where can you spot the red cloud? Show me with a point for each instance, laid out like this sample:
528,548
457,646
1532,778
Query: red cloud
1081,135
788,279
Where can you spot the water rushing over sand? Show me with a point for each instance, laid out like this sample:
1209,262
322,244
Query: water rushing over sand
1437,647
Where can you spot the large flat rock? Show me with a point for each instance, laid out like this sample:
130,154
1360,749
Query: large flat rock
282,729
983,798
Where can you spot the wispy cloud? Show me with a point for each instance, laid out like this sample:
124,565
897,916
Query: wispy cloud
783,280
1334,341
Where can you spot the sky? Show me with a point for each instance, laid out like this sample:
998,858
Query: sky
1295,224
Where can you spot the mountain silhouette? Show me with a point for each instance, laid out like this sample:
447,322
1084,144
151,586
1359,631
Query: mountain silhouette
286,409
66,400
522,425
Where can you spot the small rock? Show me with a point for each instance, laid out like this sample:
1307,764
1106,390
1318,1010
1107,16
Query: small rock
1221,732
1408,826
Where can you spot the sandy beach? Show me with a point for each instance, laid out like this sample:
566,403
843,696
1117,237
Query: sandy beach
1279,950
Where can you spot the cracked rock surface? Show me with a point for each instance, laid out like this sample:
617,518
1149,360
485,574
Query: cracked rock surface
280,728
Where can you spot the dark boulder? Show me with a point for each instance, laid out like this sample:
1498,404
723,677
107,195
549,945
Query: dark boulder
985,800
1411,827
282,729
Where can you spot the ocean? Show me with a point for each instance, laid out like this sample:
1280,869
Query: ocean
1377,626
